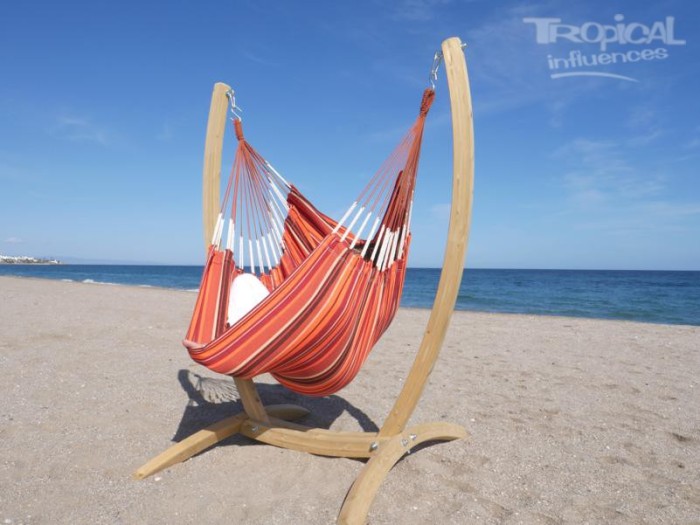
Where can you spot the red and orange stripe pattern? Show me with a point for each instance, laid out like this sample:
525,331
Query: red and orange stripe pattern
329,300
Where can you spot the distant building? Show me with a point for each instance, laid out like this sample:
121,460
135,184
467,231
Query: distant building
24,259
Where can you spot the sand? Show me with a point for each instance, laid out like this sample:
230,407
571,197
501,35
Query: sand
571,420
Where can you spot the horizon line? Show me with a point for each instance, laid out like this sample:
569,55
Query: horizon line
498,268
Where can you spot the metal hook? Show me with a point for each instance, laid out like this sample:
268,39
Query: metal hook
437,60
234,108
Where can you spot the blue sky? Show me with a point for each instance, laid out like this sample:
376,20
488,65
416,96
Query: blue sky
103,109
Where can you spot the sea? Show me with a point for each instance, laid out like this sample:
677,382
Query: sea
668,297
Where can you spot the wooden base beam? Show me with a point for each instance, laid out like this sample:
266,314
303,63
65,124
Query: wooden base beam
318,441
209,437
383,452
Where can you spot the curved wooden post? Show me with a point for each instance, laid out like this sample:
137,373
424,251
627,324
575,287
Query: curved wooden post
457,236
211,185
361,495
211,173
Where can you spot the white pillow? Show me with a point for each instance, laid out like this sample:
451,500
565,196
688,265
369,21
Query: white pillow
246,292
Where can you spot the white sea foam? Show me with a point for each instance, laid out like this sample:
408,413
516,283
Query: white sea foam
92,281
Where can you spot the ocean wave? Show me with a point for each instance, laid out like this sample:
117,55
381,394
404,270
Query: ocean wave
92,281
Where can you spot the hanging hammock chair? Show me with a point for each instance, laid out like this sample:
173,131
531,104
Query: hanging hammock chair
294,293
290,291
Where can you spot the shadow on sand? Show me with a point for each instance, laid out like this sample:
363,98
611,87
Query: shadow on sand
213,399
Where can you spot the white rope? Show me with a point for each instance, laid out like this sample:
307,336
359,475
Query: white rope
383,252
347,214
359,232
274,249
278,215
216,237
279,239
376,244
352,223
267,254
369,237
252,256
281,198
231,231
402,243
262,267
277,174
240,252
392,252
406,229
270,230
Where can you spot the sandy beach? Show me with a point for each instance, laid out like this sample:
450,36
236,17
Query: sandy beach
571,420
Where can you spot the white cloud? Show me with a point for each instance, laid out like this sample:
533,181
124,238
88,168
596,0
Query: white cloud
645,124
602,174
259,58
674,209
81,129
609,192
417,10
693,144
14,240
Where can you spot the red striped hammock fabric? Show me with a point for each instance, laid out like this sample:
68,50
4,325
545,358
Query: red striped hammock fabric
332,294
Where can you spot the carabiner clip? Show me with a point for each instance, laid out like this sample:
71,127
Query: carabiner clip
437,60
234,108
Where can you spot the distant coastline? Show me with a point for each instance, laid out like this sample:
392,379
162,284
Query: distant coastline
25,259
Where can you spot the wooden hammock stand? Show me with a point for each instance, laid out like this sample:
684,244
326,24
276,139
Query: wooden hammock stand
272,424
